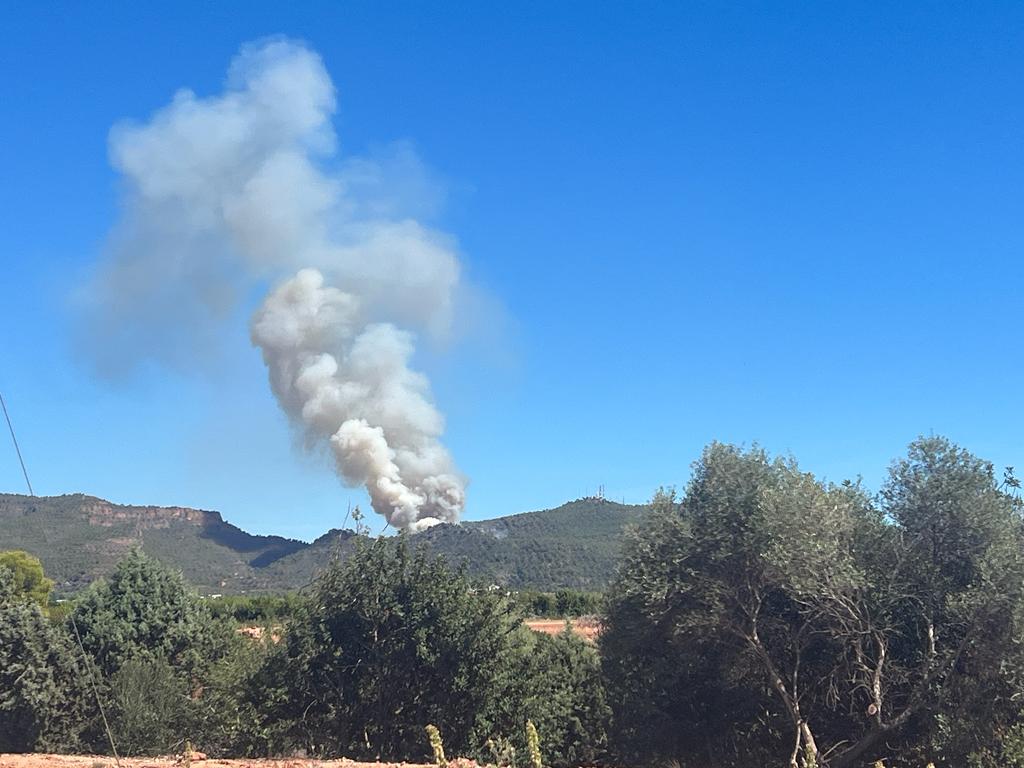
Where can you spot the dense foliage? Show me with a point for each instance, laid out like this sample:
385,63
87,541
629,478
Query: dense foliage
255,609
574,546
561,604
156,652
383,643
40,683
763,618
27,577
564,698
144,611
771,618
392,639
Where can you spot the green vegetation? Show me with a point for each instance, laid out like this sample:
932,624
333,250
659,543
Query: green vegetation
764,618
163,664
565,698
80,539
144,611
561,604
382,643
390,640
572,547
41,691
255,609
27,577
393,639
768,618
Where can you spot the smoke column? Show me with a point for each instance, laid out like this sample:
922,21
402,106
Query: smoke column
225,194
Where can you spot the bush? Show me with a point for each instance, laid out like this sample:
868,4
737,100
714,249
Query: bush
387,642
1007,751
149,707
146,611
40,684
155,646
564,698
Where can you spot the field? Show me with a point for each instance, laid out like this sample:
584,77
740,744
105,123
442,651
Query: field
585,627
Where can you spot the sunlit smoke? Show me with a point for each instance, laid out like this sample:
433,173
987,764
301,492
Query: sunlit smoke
225,194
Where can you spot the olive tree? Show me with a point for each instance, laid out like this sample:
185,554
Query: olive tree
771,614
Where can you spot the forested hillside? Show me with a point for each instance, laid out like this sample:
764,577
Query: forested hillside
79,538
573,546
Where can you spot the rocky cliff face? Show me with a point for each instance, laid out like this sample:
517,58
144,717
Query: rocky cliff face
102,512
79,538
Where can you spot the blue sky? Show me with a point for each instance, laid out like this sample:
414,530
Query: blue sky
797,224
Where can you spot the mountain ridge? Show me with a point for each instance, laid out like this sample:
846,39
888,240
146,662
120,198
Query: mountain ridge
79,538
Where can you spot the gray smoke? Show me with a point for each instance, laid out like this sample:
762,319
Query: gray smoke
223,194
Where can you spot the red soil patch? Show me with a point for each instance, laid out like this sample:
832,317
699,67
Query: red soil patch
586,627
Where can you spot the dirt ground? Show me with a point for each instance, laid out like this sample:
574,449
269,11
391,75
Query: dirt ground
586,627
93,761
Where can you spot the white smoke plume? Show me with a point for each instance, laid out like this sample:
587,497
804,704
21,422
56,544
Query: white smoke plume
224,194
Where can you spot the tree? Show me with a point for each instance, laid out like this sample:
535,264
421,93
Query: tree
40,682
845,629
564,697
681,684
144,610
154,646
958,579
28,579
389,641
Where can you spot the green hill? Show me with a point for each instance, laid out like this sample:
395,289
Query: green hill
79,538
574,546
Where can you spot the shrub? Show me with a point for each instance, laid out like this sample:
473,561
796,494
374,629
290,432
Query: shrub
40,685
149,707
389,641
145,610
155,647
564,697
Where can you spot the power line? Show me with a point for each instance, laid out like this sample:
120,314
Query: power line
78,637
16,448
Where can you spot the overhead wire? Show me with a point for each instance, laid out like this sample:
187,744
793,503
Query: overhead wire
85,656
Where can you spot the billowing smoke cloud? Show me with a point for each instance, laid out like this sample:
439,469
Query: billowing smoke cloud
350,382
225,194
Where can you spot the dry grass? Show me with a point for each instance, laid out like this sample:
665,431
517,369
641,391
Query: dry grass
586,627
